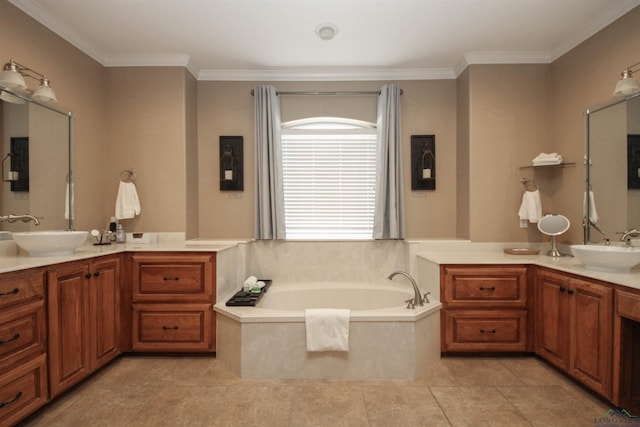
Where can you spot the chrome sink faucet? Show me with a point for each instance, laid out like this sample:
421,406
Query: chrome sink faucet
417,298
627,235
11,218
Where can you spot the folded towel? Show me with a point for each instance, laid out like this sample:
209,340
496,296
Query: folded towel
68,201
547,159
127,202
530,208
590,202
327,329
249,283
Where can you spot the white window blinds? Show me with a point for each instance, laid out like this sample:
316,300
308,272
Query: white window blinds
329,173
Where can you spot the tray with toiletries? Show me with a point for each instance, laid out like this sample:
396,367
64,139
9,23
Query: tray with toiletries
249,298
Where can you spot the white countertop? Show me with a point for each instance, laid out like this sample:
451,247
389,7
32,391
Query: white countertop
567,264
14,259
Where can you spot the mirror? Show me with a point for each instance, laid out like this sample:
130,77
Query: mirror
612,162
36,148
553,225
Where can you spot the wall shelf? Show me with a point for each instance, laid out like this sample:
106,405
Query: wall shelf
558,166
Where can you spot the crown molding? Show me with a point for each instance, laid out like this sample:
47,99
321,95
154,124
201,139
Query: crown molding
156,60
614,10
477,58
365,74
35,11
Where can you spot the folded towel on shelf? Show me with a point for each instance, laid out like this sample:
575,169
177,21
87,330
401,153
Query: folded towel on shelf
127,202
543,159
589,202
68,201
327,329
530,208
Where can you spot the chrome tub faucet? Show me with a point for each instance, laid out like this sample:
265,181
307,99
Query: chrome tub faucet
417,298
11,218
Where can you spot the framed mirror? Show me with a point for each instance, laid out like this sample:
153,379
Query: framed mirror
612,169
37,176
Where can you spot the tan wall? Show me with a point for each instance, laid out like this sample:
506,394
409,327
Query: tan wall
78,81
508,127
124,121
146,111
584,77
226,108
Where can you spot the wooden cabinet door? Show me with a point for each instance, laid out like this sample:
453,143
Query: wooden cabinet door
591,324
68,304
552,333
105,310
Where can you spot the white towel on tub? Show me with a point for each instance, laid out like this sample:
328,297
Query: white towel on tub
327,329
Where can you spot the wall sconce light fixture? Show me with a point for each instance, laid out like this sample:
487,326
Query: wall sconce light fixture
9,175
12,77
628,85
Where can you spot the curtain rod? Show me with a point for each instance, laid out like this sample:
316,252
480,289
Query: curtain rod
343,92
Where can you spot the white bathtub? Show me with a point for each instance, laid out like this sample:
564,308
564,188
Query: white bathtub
386,340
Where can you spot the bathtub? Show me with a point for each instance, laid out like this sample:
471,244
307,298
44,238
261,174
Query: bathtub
386,340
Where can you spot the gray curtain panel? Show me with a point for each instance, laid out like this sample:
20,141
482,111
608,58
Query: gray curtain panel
388,222
269,201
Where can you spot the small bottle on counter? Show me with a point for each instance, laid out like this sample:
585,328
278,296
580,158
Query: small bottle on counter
121,237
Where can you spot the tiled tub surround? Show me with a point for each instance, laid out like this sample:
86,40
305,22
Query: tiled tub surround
389,342
385,342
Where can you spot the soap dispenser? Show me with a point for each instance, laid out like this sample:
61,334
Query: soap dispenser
121,237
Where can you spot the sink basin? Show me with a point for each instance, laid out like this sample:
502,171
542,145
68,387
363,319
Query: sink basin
50,243
607,258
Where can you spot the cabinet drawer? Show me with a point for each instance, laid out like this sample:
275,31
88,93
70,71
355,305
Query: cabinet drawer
22,334
23,390
486,331
485,286
628,305
16,288
170,279
172,327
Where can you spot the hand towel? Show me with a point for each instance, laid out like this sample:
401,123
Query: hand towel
68,201
327,329
590,202
127,202
530,208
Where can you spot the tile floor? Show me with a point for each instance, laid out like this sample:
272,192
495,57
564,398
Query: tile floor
200,391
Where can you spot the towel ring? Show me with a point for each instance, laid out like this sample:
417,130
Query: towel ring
128,175
529,184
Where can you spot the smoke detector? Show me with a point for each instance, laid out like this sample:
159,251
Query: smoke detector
326,31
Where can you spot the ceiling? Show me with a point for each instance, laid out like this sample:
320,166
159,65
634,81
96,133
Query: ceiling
276,40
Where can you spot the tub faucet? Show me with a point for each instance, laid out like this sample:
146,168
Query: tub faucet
11,218
417,298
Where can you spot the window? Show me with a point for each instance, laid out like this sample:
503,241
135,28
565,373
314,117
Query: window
329,174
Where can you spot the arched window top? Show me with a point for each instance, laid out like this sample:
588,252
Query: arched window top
328,123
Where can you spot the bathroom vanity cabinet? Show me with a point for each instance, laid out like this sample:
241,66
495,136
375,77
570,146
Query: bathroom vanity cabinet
485,308
84,319
574,323
172,302
23,360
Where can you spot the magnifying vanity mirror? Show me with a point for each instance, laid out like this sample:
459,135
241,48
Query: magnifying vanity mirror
36,148
554,225
612,169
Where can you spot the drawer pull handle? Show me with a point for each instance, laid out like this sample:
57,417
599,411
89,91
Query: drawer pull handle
96,274
8,402
570,291
492,288
166,328
562,289
13,338
170,278
487,331
11,292
88,275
